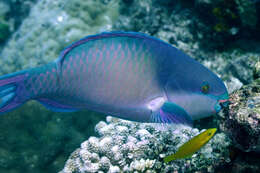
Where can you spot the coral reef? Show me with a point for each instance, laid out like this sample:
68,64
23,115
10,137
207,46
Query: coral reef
11,16
168,20
125,146
34,139
235,67
50,27
215,32
241,162
242,121
4,31
247,12
257,70
223,22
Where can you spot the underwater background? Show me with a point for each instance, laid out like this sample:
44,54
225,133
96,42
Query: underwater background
224,35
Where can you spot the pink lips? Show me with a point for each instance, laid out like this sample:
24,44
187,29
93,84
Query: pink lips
223,101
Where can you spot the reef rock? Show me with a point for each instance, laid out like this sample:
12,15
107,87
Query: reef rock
11,15
124,146
242,121
51,26
184,25
256,73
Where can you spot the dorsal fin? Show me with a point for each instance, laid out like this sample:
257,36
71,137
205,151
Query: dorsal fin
105,35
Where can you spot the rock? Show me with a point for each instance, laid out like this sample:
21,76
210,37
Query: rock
242,121
223,22
242,162
257,69
12,13
247,12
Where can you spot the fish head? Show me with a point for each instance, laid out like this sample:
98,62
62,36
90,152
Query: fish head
196,89
205,136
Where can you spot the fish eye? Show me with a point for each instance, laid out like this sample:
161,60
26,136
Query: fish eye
209,134
205,88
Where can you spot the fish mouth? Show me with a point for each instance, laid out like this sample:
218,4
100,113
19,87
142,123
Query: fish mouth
224,103
221,104
212,131
224,100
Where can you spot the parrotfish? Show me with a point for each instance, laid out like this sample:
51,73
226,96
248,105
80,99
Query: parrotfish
128,75
192,146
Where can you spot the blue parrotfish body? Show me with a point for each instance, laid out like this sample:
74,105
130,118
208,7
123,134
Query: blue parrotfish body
125,74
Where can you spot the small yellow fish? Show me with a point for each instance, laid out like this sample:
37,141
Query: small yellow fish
193,145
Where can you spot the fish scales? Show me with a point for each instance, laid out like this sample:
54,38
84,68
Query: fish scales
126,74
109,77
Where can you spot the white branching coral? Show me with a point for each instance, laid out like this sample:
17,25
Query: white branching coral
125,146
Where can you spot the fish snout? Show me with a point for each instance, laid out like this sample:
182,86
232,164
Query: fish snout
224,103
221,104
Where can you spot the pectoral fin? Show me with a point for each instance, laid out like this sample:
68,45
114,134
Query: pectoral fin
171,113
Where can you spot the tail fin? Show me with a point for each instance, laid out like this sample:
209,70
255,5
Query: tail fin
11,89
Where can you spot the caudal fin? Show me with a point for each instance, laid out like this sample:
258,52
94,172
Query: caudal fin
11,91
